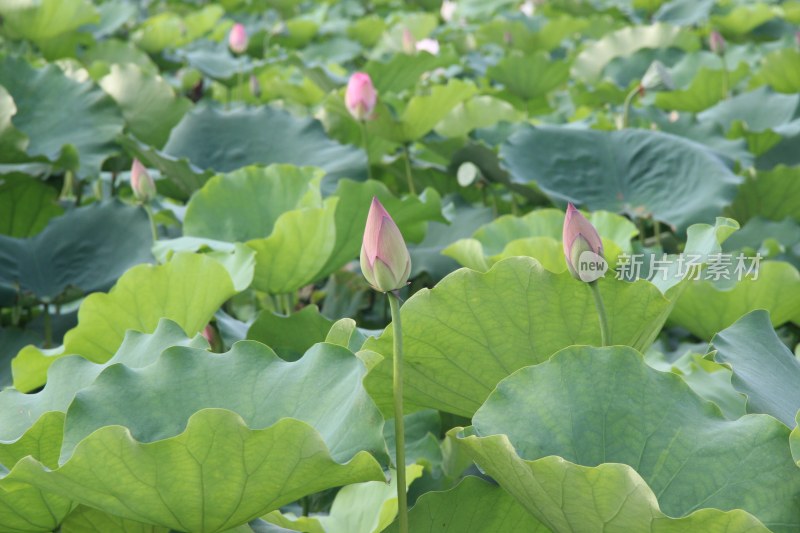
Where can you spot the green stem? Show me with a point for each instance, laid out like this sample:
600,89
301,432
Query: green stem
725,77
365,139
151,216
239,82
601,313
286,303
68,190
626,107
399,429
409,177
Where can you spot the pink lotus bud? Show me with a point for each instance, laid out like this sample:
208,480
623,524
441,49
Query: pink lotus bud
409,43
716,42
237,39
583,248
447,10
360,97
428,45
144,188
385,261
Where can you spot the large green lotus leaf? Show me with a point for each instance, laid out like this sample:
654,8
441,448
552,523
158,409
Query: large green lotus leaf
88,520
773,194
759,110
237,258
529,77
187,290
19,412
246,203
222,473
473,329
422,113
411,214
589,64
290,336
226,140
23,507
182,177
367,507
594,406
113,51
707,306
610,497
261,433
26,206
60,115
71,253
638,172
709,379
302,240
781,70
169,30
43,20
472,506
537,234
744,18
478,112
147,101
763,367
707,88
27,509
402,71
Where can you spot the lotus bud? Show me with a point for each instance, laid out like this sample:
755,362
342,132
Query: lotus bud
237,39
409,43
360,97
583,248
385,261
144,188
716,42
428,45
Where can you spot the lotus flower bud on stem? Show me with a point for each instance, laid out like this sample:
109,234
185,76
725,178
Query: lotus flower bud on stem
385,261
582,245
237,39
447,10
144,188
583,250
360,97
716,43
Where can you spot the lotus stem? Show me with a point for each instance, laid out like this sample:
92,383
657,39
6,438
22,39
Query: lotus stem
399,429
409,177
726,81
365,140
151,217
601,313
626,107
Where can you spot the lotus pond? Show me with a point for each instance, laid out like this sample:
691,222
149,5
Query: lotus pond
361,266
